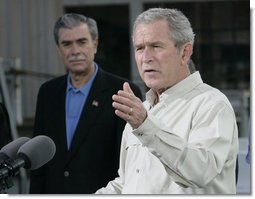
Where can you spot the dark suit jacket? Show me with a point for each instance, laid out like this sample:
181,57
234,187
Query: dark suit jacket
93,158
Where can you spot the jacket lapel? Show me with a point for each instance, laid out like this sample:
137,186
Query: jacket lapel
60,104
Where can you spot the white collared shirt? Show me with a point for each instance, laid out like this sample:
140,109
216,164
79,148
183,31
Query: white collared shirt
188,144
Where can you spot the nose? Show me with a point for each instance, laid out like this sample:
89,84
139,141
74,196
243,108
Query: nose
147,55
75,50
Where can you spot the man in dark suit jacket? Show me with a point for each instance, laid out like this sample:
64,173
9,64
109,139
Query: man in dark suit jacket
90,159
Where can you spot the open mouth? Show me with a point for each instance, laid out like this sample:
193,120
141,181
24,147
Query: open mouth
150,71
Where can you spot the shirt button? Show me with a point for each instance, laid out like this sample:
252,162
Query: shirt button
140,134
66,173
137,170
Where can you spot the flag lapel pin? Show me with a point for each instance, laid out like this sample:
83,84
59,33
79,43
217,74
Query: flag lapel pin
95,103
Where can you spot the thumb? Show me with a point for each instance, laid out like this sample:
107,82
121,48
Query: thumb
127,88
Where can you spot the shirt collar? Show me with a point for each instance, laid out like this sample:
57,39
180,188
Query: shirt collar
84,89
184,86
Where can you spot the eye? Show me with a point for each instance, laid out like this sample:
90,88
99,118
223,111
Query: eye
66,44
82,41
156,46
139,49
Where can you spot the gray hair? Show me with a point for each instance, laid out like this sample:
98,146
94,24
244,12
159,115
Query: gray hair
71,20
179,25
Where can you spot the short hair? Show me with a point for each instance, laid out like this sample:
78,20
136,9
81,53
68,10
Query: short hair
179,25
71,20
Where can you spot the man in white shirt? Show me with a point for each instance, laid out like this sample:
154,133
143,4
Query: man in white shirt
183,139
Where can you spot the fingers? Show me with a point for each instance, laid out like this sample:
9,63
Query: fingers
125,96
124,103
124,108
129,107
126,88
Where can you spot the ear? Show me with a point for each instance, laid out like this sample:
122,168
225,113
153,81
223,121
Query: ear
58,50
96,44
186,53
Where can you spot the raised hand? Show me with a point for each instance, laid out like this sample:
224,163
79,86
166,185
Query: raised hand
129,107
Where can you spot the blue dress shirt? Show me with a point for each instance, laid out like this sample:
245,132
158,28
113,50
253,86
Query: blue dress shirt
75,100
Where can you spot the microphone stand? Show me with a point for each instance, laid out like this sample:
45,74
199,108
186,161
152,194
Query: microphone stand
5,182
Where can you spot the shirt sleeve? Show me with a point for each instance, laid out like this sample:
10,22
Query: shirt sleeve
113,187
195,161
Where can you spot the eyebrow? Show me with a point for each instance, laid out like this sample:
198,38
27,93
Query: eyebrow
79,40
149,43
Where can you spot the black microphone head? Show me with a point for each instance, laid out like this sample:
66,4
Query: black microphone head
10,150
37,152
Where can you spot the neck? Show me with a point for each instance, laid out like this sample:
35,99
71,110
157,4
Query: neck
78,80
184,74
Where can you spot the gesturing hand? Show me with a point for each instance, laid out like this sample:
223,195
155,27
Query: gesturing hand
129,107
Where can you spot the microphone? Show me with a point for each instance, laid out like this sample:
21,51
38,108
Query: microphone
10,150
31,155
40,150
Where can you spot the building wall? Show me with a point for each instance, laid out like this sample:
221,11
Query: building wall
26,32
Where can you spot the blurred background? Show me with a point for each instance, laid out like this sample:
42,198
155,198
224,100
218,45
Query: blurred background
28,55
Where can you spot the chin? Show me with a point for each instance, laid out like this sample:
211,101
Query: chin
77,68
151,83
